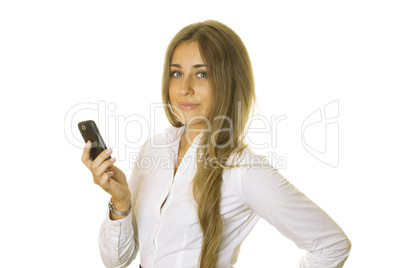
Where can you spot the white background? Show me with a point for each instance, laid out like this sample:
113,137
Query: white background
55,55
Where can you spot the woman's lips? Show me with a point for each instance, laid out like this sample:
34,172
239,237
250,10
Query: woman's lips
187,106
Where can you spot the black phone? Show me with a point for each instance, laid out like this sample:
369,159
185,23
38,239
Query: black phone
90,131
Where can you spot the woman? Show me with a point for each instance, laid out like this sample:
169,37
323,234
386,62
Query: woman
196,211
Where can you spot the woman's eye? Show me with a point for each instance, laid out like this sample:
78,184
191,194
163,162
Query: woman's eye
202,75
176,74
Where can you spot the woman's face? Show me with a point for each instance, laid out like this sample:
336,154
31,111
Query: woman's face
190,92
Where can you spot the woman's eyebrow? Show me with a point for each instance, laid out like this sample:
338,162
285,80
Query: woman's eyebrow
194,66
200,65
175,65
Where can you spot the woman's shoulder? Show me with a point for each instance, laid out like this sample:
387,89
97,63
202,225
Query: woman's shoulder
247,157
161,139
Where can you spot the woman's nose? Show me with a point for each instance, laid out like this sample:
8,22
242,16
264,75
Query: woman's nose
186,86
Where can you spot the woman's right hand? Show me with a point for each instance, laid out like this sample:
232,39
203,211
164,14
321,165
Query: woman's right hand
110,178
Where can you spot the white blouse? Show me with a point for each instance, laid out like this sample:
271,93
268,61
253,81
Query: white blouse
171,236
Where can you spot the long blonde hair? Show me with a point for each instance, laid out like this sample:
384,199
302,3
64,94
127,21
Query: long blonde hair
232,80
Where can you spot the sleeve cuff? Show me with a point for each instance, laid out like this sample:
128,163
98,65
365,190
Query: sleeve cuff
123,225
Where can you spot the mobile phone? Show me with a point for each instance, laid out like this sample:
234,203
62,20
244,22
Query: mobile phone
90,131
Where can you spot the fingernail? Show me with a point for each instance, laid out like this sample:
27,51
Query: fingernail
113,159
109,151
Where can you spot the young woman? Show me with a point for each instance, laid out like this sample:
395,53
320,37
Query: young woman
210,188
